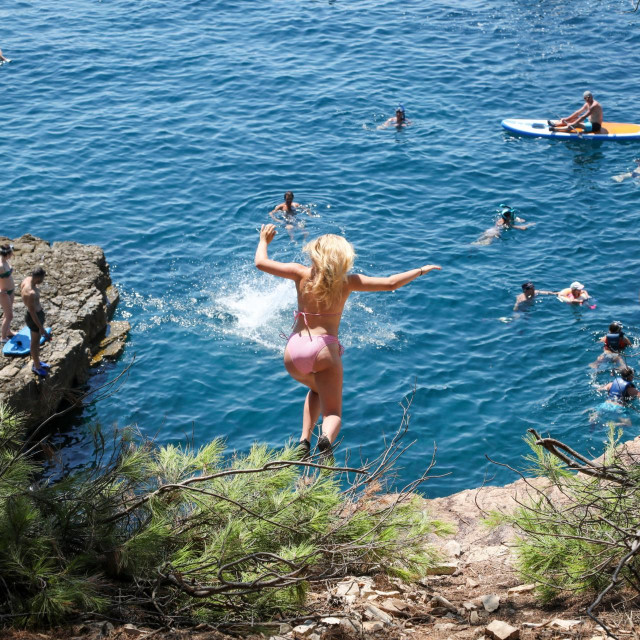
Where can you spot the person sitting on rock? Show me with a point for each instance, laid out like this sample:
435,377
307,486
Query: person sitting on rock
34,317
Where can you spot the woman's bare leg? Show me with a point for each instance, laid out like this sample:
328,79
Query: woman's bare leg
6,302
310,415
328,380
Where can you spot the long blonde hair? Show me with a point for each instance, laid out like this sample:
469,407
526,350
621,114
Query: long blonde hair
332,257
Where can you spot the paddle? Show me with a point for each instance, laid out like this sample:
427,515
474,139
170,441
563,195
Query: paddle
570,126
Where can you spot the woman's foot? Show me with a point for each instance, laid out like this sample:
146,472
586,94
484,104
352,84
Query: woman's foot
326,450
304,449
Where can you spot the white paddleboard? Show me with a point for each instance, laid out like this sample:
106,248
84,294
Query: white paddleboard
540,129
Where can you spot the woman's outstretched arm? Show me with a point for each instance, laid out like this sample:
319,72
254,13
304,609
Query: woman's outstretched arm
359,282
291,270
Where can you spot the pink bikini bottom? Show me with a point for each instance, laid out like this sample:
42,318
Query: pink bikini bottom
304,349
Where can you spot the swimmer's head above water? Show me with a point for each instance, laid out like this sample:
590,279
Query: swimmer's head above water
616,327
627,373
400,116
288,197
332,257
528,289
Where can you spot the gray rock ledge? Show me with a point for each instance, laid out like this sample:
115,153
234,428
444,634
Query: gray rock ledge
78,299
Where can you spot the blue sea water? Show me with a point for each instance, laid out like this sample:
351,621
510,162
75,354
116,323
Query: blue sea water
166,131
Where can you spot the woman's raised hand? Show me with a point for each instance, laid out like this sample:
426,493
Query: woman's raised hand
429,267
268,232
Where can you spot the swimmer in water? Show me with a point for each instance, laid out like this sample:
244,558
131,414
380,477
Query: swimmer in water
399,120
630,174
313,355
619,393
574,294
528,296
3,58
506,220
289,211
614,343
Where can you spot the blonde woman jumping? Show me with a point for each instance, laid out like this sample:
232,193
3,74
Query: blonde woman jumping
313,355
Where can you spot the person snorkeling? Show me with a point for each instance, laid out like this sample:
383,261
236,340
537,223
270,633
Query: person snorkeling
614,343
528,295
399,120
313,355
630,174
506,219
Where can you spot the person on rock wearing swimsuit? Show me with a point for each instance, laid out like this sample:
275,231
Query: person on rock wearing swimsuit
313,355
34,317
588,118
7,291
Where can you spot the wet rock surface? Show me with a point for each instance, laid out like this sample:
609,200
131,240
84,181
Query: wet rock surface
78,299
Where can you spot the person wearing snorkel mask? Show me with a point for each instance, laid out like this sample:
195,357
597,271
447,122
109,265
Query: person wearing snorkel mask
630,174
506,220
399,120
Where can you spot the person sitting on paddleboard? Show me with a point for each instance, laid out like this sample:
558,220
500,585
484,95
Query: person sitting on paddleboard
575,294
289,210
588,118
399,120
630,174
615,342
528,295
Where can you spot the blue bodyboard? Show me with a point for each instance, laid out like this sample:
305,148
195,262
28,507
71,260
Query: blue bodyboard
20,344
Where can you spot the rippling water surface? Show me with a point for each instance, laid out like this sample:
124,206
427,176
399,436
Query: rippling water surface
166,131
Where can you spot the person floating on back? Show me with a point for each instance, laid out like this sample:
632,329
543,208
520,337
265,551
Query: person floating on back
289,211
399,120
574,294
313,355
528,296
615,342
630,174
587,119
34,318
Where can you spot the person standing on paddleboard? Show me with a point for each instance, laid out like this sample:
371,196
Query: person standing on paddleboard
587,119
34,318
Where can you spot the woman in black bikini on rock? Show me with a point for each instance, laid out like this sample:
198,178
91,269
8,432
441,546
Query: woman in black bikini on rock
7,289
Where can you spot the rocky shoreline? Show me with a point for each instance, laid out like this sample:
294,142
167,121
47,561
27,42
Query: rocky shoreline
79,300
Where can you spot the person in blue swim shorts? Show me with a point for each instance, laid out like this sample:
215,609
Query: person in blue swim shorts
587,119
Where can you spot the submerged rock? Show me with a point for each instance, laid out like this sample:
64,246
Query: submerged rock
78,299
